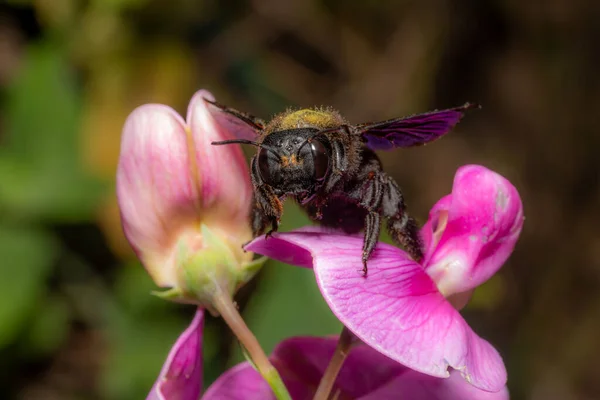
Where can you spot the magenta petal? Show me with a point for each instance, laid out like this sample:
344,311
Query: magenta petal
416,386
282,249
366,375
385,378
306,359
435,226
241,382
181,375
471,232
397,309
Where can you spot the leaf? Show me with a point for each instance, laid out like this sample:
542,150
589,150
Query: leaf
41,174
50,326
138,349
141,329
27,256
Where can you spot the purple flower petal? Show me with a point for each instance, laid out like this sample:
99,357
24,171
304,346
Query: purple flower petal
416,386
239,382
306,358
397,309
365,375
471,232
181,375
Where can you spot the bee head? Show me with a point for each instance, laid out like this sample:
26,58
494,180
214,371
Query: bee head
294,161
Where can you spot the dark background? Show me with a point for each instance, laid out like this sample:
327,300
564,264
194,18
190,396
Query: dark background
76,317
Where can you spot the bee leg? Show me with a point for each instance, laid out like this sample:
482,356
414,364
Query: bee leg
274,228
266,210
260,221
402,228
339,163
372,226
266,206
370,197
405,231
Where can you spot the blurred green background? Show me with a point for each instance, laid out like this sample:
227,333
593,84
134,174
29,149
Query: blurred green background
76,317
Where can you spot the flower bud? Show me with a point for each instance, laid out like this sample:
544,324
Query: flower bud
184,203
472,231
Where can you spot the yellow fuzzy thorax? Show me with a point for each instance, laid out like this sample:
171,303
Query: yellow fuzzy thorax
319,118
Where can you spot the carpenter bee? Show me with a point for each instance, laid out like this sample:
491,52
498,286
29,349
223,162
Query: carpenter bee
330,168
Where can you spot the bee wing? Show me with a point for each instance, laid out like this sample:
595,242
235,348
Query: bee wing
412,131
241,125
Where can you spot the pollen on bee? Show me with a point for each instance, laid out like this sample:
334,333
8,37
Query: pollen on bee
302,118
290,161
320,118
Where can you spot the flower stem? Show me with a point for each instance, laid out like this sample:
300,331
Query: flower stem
225,306
342,350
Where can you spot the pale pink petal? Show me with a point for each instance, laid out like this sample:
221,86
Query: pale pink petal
397,309
181,375
154,187
237,128
366,375
471,232
223,170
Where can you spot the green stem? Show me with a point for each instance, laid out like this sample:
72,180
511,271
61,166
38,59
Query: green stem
225,306
342,350
277,386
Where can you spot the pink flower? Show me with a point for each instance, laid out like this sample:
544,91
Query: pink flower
181,376
184,204
301,362
400,308
184,207
365,375
471,232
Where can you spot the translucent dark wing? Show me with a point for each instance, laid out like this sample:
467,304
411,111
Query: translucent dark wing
240,124
412,131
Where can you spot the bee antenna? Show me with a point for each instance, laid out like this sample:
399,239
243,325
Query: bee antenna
246,141
234,141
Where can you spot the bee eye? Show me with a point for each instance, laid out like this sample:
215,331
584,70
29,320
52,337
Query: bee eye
264,166
320,158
